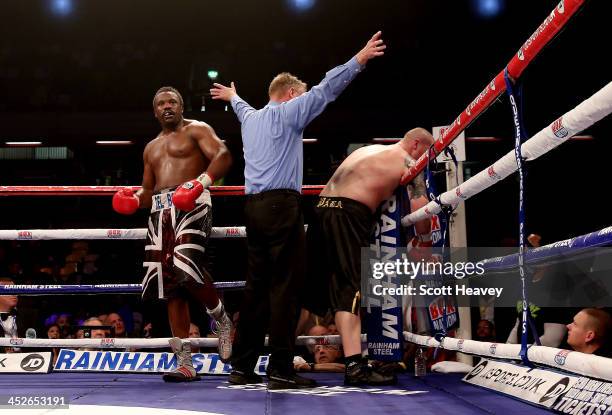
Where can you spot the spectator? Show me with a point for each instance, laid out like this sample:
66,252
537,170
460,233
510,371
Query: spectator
306,321
137,324
90,267
549,283
535,240
332,329
53,332
316,330
327,358
65,326
194,333
550,329
485,332
328,353
94,334
116,321
590,332
9,320
146,331
52,320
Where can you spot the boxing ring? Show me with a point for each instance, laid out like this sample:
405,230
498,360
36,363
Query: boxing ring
96,393
95,381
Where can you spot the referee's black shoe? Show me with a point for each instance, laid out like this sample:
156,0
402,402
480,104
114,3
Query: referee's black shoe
238,377
289,380
363,374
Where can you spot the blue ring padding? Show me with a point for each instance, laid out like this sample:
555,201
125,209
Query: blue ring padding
571,246
93,288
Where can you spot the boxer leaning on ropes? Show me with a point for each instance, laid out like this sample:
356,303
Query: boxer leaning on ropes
344,221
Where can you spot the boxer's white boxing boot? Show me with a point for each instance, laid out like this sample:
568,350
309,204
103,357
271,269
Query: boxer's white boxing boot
184,372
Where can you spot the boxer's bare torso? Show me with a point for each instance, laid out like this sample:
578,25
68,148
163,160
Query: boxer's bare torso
176,157
369,174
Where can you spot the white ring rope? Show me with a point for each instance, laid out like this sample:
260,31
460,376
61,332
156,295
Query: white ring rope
98,234
567,360
125,343
81,234
571,123
570,361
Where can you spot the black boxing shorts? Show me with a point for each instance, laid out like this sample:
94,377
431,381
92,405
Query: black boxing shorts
340,229
175,246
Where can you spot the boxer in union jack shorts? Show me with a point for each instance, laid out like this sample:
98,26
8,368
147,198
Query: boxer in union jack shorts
179,165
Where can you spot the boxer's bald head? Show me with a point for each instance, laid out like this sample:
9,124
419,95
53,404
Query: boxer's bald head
417,141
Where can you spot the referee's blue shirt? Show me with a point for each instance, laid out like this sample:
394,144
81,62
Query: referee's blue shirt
272,136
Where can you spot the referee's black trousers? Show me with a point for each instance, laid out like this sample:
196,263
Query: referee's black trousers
276,245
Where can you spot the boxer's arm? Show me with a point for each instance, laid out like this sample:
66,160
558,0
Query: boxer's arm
417,187
213,149
423,227
417,192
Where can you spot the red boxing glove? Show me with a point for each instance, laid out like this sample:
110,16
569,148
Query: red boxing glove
125,202
185,196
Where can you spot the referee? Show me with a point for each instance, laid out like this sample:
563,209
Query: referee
273,155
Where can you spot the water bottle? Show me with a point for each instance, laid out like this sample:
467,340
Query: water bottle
420,367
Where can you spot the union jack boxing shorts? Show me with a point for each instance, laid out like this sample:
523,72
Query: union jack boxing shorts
175,246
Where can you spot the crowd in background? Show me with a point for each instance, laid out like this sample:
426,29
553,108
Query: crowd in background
76,316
